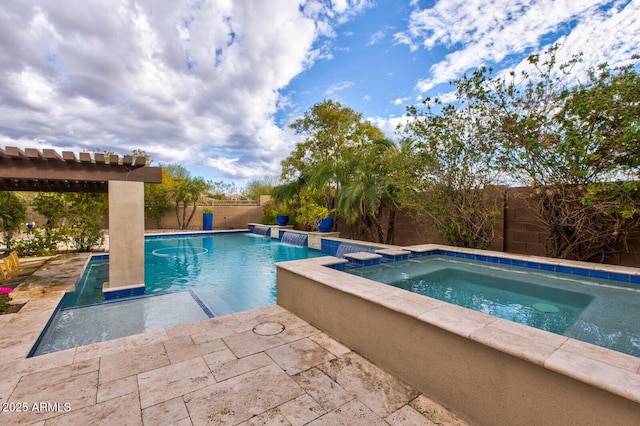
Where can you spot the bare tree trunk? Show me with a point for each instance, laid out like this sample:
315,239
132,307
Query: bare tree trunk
391,224
178,214
184,215
193,212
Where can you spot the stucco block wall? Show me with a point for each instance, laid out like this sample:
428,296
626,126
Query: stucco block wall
237,217
517,230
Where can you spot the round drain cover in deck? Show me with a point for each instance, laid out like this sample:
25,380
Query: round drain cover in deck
268,328
545,308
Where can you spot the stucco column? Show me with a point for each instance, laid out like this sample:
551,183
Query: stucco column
126,240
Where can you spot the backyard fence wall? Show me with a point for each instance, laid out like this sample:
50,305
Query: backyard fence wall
224,217
517,230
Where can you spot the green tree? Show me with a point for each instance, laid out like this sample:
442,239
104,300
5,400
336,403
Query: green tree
329,130
219,190
323,163
85,214
185,190
448,171
12,214
52,206
370,187
157,197
260,186
575,144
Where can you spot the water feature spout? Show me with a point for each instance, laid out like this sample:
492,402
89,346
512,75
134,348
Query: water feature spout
294,238
345,248
260,230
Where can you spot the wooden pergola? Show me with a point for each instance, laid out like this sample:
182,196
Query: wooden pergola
123,178
48,171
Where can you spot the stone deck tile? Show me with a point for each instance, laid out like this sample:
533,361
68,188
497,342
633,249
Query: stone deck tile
435,412
353,413
163,384
299,356
249,343
145,358
236,367
323,389
379,390
124,411
240,398
216,371
166,413
301,410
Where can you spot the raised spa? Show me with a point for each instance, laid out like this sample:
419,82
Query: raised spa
594,310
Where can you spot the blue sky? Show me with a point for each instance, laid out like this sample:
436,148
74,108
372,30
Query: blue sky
213,85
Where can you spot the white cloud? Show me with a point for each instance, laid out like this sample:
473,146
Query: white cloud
375,38
331,90
480,33
400,101
389,125
189,82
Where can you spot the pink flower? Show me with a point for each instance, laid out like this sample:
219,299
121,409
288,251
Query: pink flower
5,290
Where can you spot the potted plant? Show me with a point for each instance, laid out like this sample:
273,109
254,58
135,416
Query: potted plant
207,218
282,219
325,224
283,212
314,216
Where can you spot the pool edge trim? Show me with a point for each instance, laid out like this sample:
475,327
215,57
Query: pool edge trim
594,367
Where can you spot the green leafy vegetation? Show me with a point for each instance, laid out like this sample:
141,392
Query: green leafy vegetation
575,144
338,166
12,214
185,191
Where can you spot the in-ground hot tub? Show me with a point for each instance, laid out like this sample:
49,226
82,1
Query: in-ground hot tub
489,369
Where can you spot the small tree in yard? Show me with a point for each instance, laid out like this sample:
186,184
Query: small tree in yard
576,146
157,198
12,214
73,217
185,190
85,214
448,171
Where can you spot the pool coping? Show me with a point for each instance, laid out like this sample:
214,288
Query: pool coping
617,273
41,294
602,368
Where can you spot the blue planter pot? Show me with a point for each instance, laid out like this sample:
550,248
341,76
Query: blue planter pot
325,225
282,220
207,221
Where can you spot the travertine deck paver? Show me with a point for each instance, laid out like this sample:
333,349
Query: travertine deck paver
264,366
216,371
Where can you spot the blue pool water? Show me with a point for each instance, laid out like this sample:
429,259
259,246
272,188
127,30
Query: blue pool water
597,311
230,272
186,279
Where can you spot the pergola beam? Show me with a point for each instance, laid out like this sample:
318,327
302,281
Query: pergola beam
20,170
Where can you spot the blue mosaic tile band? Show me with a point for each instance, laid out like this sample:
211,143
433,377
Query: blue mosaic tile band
359,263
329,247
200,303
338,267
99,257
129,292
633,281
391,258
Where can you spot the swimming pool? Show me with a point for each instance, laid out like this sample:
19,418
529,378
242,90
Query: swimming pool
187,278
230,272
590,309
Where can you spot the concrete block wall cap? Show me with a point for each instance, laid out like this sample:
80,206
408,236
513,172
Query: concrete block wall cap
362,255
393,251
